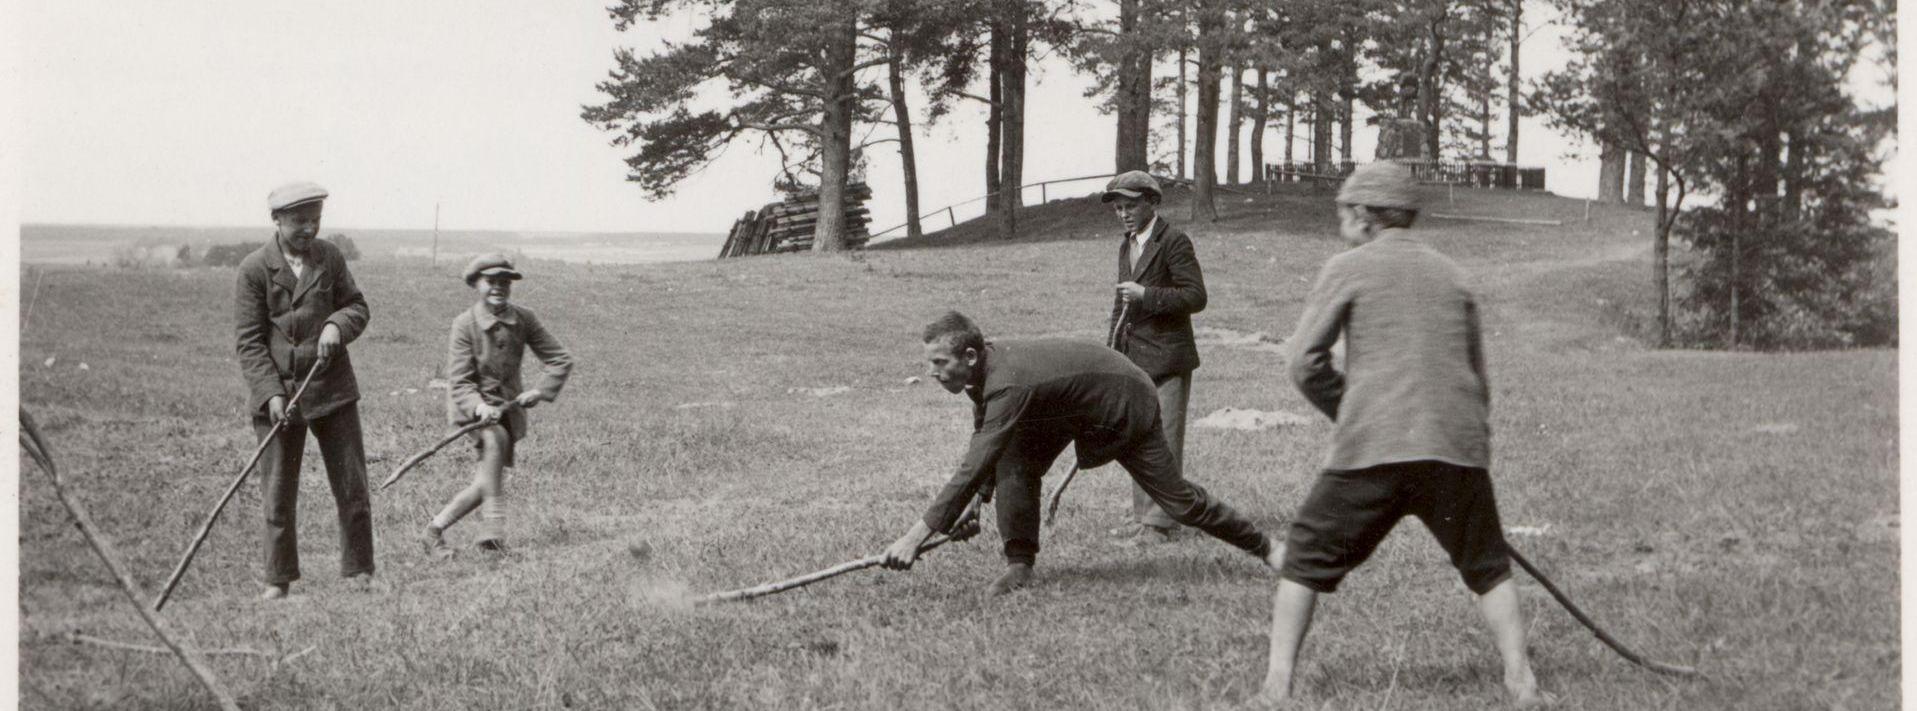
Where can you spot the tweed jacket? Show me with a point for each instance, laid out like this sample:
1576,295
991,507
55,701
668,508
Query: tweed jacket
279,317
1414,385
1156,333
1080,390
483,357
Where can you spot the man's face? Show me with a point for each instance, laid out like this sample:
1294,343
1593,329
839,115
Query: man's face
298,226
496,289
1134,212
952,369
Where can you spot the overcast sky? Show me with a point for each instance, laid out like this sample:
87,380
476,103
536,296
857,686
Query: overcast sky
181,112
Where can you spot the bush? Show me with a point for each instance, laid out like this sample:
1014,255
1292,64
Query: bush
229,255
148,255
345,244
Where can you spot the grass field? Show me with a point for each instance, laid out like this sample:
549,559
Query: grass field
1729,510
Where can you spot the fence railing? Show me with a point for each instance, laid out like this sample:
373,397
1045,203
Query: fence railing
1484,174
951,215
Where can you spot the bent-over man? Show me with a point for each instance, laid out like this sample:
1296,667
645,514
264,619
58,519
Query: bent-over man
1031,399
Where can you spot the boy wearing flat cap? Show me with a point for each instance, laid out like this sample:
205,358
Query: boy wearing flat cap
297,308
1412,431
1159,288
482,368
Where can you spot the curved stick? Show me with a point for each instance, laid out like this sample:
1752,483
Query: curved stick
1602,636
415,460
35,447
193,548
968,516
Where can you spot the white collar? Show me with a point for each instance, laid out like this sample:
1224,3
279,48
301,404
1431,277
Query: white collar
1145,232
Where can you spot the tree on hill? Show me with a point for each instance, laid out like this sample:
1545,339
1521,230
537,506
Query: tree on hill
789,72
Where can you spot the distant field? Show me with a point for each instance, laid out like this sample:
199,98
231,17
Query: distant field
1733,511
95,244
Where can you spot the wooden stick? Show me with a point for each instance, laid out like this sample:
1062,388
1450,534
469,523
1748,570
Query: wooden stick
415,460
78,638
1605,637
35,447
773,588
1111,341
193,548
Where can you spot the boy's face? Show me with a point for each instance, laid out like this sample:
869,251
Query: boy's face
1134,212
953,370
495,289
297,227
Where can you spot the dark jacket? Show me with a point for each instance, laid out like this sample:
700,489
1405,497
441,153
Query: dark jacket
482,363
279,317
1156,333
1102,402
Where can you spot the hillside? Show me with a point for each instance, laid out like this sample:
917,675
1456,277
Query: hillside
741,421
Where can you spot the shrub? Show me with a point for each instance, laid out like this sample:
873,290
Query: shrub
229,255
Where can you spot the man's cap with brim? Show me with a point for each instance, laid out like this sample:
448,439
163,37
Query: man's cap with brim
494,264
1384,183
1131,184
291,195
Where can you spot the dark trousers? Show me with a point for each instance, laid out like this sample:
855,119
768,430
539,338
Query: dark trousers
345,457
1174,394
1151,464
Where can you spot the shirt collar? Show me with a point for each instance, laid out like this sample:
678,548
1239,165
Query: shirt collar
486,318
1145,233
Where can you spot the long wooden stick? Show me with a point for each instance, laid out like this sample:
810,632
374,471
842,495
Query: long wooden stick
415,460
193,548
36,447
1605,637
773,588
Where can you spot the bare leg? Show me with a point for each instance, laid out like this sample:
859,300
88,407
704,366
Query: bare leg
1290,619
1506,620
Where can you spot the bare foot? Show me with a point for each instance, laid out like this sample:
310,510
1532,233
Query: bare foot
1523,688
1017,577
275,592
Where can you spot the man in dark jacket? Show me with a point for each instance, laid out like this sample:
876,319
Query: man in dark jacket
1031,399
297,308
1159,287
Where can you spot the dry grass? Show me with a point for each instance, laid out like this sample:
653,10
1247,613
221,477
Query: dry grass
1734,511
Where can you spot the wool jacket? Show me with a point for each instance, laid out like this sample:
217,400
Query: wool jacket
1086,391
1156,332
279,317
483,356
1414,385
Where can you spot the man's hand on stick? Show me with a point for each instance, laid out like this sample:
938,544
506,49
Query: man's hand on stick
905,551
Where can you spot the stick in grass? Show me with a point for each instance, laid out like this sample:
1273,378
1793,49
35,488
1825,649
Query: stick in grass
967,517
1605,637
35,447
193,548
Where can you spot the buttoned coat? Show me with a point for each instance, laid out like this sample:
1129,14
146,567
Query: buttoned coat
483,356
279,316
1156,333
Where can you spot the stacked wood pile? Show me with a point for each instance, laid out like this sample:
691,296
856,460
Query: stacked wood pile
787,226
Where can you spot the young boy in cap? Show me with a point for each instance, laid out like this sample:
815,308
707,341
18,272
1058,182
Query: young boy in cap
297,308
1412,411
1159,288
482,368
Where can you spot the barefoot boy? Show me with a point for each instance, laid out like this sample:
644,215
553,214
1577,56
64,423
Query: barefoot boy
482,367
1412,435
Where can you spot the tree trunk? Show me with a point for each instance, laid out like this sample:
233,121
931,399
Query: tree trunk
1012,123
1205,152
1134,95
1291,124
1661,259
1430,104
1794,167
1610,173
1512,96
835,135
1321,128
994,114
1634,184
1345,112
1236,124
1258,120
907,162
1181,112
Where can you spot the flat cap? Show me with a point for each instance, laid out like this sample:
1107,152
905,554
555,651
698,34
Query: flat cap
488,265
294,195
1131,184
1383,183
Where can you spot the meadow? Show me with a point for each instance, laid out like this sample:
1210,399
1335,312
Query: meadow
735,422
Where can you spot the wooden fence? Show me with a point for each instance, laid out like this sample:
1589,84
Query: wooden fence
1483,174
